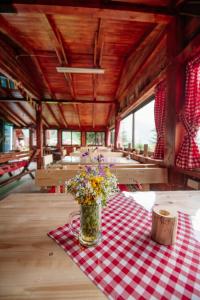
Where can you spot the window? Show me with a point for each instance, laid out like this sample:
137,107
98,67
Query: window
71,138
95,138
112,136
34,139
126,131
21,139
144,127
12,85
51,137
100,138
198,139
3,81
8,137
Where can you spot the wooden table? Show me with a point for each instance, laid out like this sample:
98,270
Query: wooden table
32,266
68,160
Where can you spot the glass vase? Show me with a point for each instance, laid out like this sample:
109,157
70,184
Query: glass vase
90,224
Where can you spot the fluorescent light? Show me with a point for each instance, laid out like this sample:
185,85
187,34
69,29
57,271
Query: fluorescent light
80,70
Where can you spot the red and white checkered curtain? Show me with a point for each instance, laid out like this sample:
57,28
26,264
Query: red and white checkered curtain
189,155
159,115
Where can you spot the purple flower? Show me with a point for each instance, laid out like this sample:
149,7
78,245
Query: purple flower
101,170
111,165
85,154
88,169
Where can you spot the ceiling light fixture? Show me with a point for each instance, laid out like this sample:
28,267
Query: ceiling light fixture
80,70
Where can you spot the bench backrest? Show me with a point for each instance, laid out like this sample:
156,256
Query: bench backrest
52,177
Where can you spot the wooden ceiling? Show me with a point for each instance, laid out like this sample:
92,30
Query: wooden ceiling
117,36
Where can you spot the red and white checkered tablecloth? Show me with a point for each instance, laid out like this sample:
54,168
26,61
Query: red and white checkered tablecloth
128,264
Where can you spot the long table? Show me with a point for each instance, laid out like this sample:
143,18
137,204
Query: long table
32,266
70,160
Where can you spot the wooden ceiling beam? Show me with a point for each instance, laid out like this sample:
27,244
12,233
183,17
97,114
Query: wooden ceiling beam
136,61
49,88
53,114
9,119
26,112
61,55
14,71
16,36
45,121
13,115
102,9
54,101
98,50
62,114
59,49
109,114
83,128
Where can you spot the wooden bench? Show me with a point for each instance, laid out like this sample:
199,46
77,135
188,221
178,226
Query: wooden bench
13,161
144,176
12,166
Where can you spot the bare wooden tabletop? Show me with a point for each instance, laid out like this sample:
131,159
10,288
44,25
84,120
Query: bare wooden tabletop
107,160
32,266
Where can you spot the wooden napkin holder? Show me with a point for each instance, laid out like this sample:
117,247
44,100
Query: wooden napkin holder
164,225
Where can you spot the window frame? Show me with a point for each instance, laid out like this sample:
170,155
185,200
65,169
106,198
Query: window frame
147,101
95,132
71,131
112,136
45,139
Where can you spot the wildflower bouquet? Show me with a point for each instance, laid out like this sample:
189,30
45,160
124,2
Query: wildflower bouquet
93,183
91,188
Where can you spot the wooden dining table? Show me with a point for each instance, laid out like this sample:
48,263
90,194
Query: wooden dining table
77,160
33,266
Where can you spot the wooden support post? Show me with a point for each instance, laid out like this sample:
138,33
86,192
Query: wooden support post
83,138
39,135
117,124
145,153
174,44
59,138
30,139
107,136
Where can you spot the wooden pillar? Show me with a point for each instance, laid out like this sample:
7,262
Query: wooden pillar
59,139
174,44
117,124
83,138
30,139
39,135
107,136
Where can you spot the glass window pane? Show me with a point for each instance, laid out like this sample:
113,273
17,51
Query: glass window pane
76,138
100,138
145,132
26,134
198,138
66,138
8,137
12,86
51,137
90,138
34,141
4,82
126,131
112,136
